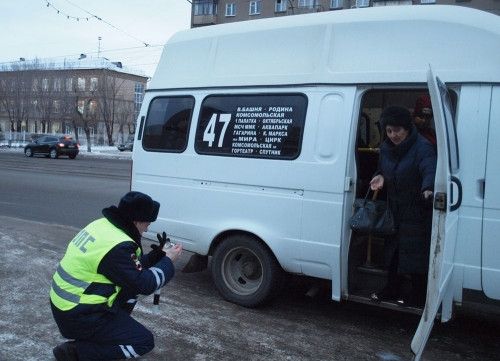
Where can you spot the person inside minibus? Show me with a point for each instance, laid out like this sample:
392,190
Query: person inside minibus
423,117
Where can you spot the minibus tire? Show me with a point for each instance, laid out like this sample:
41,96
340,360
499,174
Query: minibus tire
245,271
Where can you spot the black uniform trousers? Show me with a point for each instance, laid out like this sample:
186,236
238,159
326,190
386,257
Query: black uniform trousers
118,337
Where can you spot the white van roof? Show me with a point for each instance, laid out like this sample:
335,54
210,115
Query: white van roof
387,44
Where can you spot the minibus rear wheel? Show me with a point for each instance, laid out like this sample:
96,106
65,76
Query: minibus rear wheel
245,271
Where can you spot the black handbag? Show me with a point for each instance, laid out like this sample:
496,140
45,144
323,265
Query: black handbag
372,217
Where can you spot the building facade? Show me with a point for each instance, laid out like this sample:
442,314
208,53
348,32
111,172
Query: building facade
212,12
91,100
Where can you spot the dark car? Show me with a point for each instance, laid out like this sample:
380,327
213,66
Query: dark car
126,145
52,146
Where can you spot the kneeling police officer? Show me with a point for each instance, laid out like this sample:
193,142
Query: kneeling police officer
96,285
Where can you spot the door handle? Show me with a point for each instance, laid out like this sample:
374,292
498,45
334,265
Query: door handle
455,206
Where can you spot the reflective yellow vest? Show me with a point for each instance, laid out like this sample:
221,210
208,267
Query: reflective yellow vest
78,268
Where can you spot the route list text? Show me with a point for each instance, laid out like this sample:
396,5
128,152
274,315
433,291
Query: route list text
261,130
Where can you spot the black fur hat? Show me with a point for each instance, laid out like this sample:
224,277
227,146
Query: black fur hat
397,116
137,206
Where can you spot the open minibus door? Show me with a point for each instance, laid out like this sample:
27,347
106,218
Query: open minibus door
447,200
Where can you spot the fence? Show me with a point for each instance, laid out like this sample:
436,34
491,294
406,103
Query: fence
20,139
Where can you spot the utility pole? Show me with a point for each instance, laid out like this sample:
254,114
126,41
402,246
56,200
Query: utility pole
99,47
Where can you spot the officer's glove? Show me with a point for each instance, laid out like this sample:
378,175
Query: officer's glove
157,253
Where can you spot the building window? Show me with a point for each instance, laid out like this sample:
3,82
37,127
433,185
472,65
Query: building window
336,4
255,7
391,2
92,106
81,132
57,84
93,84
280,6
362,3
231,9
81,84
45,84
69,84
81,106
138,97
309,4
205,7
56,107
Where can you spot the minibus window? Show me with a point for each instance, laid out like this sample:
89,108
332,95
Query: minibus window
449,116
167,124
251,125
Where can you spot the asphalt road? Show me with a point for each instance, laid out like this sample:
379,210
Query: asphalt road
194,322
64,191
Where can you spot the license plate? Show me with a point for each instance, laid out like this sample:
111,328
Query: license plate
71,146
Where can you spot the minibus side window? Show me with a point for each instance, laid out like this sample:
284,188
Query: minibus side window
252,125
167,124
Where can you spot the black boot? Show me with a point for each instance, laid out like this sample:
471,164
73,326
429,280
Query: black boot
388,293
66,351
391,291
417,294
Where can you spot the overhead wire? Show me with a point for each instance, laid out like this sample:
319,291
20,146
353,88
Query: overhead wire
124,54
68,16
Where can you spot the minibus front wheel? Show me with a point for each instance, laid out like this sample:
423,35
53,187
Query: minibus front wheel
245,271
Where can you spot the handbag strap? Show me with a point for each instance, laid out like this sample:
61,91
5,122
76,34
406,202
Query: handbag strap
367,193
374,197
375,193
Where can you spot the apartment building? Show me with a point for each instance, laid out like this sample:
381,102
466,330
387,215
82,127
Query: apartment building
212,12
89,99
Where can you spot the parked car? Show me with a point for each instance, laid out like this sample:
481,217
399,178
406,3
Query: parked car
53,146
126,145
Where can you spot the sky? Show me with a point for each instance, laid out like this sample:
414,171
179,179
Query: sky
54,30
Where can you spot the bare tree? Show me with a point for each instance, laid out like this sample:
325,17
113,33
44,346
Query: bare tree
82,110
87,117
126,121
109,99
45,94
16,93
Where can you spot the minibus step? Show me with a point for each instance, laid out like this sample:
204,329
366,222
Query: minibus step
389,305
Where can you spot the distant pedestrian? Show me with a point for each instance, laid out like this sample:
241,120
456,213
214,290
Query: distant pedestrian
96,285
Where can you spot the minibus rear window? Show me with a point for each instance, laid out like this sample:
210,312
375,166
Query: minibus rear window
252,125
167,124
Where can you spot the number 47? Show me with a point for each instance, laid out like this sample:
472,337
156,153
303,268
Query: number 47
209,133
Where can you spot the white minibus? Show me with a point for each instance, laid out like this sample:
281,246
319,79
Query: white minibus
257,137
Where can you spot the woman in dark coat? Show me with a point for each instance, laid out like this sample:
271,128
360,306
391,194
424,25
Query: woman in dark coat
407,170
